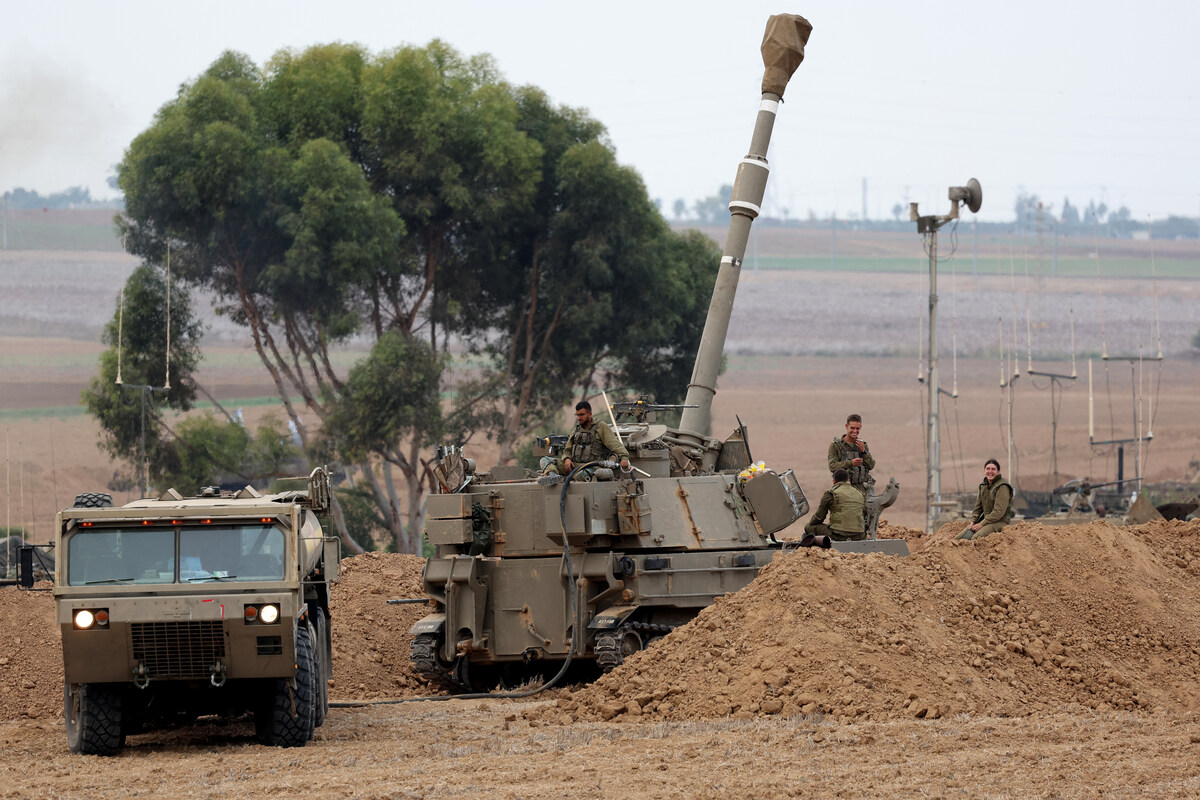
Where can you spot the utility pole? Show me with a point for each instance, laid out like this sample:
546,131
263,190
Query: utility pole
144,476
975,248
833,241
972,195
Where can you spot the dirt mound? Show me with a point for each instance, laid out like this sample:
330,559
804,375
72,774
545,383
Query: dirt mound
1032,620
31,668
887,530
370,637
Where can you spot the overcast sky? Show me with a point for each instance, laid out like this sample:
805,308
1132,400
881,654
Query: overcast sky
1091,101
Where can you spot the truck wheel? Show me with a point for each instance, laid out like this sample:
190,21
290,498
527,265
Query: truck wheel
321,655
92,712
93,500
286,718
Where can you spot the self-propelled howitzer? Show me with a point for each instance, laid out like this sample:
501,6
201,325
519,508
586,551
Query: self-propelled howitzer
534,571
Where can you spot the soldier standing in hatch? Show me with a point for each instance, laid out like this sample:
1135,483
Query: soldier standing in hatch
591,440
850,453
847,511
993,508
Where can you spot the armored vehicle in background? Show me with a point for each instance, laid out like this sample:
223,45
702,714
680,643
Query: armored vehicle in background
537,572
173,608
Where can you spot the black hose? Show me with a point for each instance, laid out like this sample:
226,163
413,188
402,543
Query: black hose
562,521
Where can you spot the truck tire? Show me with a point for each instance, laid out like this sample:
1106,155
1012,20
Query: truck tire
321,644
92,713
93,500
286,718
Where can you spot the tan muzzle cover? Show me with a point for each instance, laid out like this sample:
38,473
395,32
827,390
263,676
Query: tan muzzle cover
783,50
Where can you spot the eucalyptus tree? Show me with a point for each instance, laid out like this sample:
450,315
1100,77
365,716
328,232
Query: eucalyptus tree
415,201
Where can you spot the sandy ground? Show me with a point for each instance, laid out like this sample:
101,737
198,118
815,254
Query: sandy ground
1037,663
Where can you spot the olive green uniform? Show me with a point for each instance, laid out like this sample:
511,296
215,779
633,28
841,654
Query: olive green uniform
841,453
993,508
847,514
595,443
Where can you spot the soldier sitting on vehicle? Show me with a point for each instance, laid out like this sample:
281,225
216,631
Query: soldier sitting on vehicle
847,512
850,453
591,440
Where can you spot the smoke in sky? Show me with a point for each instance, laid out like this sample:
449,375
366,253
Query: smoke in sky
50,115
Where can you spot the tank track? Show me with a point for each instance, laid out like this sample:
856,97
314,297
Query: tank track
425,661
607,647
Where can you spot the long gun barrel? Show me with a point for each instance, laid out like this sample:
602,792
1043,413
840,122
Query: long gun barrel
782,51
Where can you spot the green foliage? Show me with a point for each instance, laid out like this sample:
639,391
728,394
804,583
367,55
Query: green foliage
523,454
207,451
590,289
126,411
413,194
392,393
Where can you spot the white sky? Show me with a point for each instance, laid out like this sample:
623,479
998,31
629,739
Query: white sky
1094,100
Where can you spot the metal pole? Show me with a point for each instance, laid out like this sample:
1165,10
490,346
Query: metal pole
1121,468
1137,448
975,249
833,241
934,477
144,477
1054,431
1012,471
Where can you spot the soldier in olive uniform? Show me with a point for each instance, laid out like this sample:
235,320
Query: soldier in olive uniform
993,508
591,440
850,453
847,512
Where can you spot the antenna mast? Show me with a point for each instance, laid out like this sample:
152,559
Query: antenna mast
972,195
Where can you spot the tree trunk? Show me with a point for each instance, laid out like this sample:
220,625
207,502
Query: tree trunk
339,522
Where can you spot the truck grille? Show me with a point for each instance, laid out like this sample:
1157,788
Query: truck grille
178,649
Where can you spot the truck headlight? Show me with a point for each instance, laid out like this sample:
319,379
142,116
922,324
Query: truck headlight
262,614
86,619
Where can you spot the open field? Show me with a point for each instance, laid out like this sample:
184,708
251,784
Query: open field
806,348
847,249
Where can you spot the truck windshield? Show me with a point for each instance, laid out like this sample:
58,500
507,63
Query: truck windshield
218,553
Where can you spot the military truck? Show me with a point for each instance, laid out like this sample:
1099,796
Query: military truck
173,608
533,572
